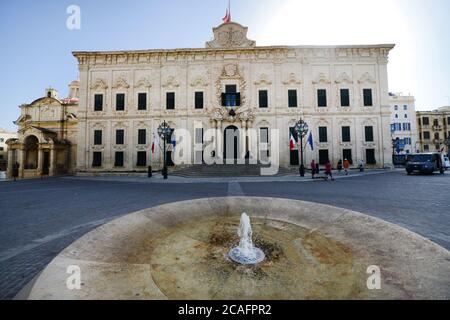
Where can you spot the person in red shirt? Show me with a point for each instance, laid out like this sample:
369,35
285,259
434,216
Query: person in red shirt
313,168
329,170
346,166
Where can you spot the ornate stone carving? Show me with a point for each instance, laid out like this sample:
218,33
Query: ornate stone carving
292,80
231,72
366,78
99,84
263,80
199,82
343,78
171,82
121,82
321,78
230,35
143,82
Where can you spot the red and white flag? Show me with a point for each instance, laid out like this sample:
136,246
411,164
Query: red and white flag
154,144
227,18
292,143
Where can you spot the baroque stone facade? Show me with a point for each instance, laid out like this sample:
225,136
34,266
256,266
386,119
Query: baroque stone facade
46,141
125,95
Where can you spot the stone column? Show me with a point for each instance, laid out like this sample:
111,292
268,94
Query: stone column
40,160
52,169
219,149
21,160
244,145
11,161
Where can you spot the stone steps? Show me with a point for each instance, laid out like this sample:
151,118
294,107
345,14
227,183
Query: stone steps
197,171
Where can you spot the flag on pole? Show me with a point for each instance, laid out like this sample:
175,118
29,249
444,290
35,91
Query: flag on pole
311,141
227,18
292,142
154,143
174,141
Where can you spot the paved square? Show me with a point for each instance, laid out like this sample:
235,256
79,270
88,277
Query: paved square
39,218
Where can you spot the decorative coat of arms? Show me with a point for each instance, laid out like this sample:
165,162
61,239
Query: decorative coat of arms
230,35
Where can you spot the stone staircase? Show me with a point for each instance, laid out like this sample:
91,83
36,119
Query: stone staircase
234,170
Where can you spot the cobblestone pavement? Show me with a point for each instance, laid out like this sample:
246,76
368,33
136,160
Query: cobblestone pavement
39,218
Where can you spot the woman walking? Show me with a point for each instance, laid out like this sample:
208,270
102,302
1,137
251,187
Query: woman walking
329,170
313,168
346,166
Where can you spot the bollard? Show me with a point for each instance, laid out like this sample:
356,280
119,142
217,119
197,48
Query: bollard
150,173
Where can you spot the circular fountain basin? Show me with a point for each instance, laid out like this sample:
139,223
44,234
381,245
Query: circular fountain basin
254,257
312,251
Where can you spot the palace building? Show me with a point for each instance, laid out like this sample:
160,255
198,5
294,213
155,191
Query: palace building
229,84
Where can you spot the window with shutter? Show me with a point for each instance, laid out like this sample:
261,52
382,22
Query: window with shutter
170,100
199,100
120,102
345,98
367,93
142,136
98,137
98,102
263,99
120,137
292,96
369,133
323,134
346,134
322,98
142,101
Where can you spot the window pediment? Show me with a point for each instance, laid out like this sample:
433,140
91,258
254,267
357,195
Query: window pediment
121,82
321,78
171,82
344,78
292,80
263,80
143,82
99,84
366,78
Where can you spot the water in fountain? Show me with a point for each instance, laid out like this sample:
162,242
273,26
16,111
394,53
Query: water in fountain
246,253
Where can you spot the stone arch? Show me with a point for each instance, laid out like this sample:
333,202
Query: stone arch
31,148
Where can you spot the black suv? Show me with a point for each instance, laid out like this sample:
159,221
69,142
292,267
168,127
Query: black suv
424,163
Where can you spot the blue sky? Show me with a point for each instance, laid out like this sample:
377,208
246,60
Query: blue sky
36,45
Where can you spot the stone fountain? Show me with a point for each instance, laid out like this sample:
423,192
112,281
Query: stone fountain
290,250
246,253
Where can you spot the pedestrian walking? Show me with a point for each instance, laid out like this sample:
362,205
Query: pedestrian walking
317,168
339,165
329,170
313,168
346,166
361,166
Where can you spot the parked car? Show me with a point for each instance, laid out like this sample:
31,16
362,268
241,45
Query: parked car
427,163
446,161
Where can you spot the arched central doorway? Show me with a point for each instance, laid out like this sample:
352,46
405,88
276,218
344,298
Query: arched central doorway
231,147
31,145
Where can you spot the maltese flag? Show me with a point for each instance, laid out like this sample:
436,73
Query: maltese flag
227,18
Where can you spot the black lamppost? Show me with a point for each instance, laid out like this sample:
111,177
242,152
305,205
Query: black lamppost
302,130
164,132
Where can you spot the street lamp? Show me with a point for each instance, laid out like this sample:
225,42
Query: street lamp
302,130
164,132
